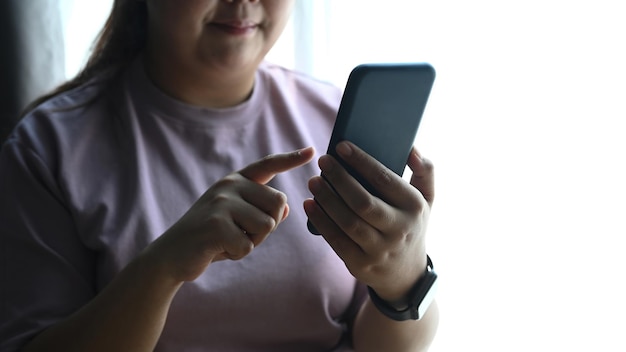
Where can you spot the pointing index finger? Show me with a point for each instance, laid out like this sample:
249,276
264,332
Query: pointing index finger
264,170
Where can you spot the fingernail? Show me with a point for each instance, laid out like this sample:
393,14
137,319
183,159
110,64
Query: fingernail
417,154
325,163
344,149
300,151
285,213
315,185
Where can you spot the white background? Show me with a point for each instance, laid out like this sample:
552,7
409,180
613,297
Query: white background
526,128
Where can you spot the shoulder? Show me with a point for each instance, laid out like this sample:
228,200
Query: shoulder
55,125
281,80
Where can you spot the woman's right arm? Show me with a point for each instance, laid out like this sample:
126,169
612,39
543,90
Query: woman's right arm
227,222
128,315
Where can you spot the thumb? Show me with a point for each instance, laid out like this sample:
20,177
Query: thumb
262,171
423,175
285,212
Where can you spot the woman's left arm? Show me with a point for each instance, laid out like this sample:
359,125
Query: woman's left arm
380,238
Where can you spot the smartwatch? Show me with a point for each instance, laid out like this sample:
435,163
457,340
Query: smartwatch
419,299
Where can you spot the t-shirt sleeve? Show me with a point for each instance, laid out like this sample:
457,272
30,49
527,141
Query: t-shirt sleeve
46,272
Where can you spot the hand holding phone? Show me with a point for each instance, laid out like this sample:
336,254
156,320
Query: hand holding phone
380,112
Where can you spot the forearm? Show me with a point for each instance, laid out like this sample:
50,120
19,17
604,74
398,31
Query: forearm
373,331
128,315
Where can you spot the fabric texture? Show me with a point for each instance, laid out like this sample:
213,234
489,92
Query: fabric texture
85,188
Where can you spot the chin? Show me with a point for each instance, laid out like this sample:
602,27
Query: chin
235,61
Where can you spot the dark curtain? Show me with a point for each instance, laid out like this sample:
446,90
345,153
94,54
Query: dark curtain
31,55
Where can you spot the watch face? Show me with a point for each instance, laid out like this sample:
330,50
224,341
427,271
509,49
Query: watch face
429,295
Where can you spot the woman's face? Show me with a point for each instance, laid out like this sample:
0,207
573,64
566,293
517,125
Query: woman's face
215,34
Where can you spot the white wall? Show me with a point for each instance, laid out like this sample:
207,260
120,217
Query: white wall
526,127
83,21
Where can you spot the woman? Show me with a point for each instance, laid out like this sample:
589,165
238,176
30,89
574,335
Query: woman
137,194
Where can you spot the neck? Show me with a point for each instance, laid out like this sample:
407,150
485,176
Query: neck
206,87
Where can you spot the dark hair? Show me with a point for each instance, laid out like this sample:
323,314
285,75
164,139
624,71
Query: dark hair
119,42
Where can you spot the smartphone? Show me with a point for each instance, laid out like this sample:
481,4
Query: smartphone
380,112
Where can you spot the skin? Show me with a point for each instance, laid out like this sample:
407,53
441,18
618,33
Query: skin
195,53
129,314
381,240
205,52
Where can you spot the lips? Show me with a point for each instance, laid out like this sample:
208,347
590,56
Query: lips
236,26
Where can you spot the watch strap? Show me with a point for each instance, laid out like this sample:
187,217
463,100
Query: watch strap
419,298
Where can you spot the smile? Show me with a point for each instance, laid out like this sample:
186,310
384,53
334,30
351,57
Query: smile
239,28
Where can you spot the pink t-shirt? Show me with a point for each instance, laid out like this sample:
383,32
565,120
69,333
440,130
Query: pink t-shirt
84,190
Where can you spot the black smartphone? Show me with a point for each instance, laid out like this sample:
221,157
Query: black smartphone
380,112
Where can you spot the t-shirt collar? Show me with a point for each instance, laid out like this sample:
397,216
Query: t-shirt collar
152,99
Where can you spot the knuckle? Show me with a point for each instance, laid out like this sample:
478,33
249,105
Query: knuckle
419,206
428,166
276,203
228,181
333,241
365,206
415,202
244,250
280,199
267,224
338,243
214,221
220,199
354,227
382,177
